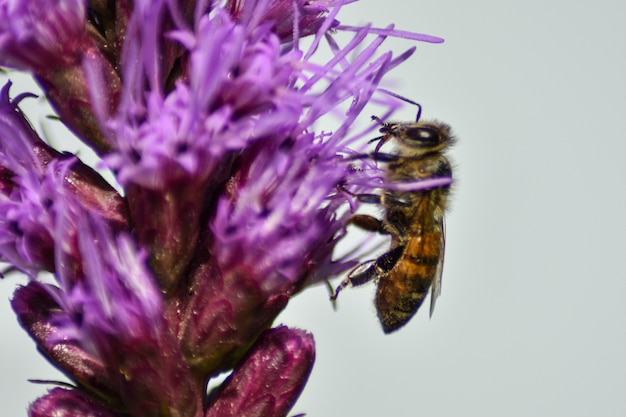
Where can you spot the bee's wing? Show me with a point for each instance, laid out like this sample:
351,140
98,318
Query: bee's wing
435,289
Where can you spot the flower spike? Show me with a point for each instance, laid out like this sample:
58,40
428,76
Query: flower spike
236,170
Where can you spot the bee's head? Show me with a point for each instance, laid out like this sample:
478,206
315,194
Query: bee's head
420,137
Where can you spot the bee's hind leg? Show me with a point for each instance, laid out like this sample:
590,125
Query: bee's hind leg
370,270
360,275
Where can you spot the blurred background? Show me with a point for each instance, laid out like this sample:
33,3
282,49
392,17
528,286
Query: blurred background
531,321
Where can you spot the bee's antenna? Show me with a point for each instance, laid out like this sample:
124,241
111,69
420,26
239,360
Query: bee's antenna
399,97
378,119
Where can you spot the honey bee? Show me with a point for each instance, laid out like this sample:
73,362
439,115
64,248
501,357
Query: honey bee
414,219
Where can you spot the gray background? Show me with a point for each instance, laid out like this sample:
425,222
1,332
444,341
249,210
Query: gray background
531,319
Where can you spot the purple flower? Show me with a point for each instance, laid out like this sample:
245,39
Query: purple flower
35,35
210,119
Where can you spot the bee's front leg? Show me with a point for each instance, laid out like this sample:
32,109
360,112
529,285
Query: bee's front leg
368,223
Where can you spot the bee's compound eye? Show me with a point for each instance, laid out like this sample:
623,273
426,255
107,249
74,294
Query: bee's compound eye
423,135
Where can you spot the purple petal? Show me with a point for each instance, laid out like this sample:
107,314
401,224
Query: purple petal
421,37
269,379
61,402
